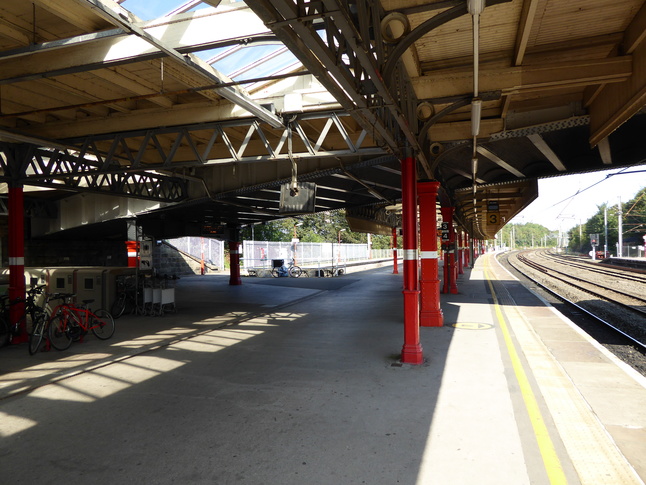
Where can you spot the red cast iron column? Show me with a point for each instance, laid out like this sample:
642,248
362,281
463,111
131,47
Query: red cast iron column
460,252
395,268
412,349
16,249
430,313
234,260
449,259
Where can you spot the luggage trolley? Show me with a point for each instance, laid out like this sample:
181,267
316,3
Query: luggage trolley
159,295
147,292
166,303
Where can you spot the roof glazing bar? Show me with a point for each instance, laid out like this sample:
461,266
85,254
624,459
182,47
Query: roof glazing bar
194,64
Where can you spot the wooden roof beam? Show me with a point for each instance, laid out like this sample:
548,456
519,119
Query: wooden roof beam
75,12
134,84
194,67
618,102
499,161
461,130
10,30
547,152
116,47
635,33
523,79
527,17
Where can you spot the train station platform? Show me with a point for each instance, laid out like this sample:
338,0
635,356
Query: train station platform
297,381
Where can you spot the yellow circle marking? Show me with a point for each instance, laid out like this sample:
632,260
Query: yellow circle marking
472,326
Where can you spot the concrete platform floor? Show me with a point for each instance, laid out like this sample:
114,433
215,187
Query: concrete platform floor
277,381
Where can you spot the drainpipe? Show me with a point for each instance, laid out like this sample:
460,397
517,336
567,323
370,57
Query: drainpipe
395,268
17,259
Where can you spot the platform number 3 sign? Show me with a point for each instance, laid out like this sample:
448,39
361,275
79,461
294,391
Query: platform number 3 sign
493,216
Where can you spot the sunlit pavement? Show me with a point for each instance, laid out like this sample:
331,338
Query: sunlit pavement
286,381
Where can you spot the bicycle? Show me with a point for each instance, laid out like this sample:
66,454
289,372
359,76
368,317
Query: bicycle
41,327
293,271
127,296
5,328
71,322
33,318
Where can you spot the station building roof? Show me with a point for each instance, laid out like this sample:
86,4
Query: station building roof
208,108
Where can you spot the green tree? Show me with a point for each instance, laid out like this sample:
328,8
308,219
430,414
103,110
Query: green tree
529,235
635,216
634,225
319,227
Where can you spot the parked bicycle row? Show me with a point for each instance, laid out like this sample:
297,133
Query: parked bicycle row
55,322
280,269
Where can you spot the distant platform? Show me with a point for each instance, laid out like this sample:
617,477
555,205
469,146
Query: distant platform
632,263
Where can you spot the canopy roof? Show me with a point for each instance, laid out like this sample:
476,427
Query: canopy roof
206,107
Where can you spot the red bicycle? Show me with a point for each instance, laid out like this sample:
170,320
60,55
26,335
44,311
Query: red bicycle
71,322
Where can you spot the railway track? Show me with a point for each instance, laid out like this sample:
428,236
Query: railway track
595,267
631,300
627,314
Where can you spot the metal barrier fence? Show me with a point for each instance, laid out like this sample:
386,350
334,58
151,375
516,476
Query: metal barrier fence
213,249
259,254
633,251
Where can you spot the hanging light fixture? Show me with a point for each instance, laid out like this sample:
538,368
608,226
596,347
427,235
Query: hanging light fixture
475,8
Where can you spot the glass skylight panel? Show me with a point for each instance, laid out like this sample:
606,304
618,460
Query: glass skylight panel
239,62
147,10
268,68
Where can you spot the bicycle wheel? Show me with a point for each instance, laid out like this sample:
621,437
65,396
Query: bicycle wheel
295,271
103,325
274,273
131,307
37,335
119,306
4,332
59,334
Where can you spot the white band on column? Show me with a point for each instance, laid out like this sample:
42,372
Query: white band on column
428,254
410,254
17,261
234,251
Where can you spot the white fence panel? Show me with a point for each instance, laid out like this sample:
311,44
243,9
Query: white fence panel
213,249
259,254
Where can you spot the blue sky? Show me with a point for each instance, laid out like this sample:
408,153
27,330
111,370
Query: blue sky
564,202
149,10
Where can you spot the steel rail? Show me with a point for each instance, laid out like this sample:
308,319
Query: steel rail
587,266
546,269
565,300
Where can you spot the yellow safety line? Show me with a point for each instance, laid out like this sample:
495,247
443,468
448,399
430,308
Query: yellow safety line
548,453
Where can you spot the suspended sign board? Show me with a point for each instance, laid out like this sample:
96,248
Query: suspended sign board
493,216
301,201
213,230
